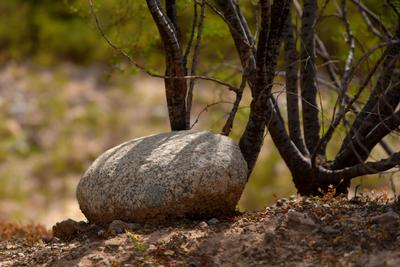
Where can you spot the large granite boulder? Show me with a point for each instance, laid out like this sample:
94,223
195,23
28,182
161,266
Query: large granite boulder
165,176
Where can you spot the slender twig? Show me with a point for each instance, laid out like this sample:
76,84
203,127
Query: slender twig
311,125
193,31
231,118
347,68
144,69
196,53
370,26
394,7
205,109
322,11
344,83
363,168
292,98
375,17
234,31
324,140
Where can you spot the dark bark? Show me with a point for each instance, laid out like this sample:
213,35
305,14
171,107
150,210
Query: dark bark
364,168
381,104
170,8
361,146
364,10
226,130
346,77
392,53
196,52
175,88
292,98
243,41
340,116
267,56
305,157
308,76
262,78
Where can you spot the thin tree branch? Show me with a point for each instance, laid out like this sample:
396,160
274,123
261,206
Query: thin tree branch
311,124
175,89
370,26
362,168
261,56
189,98
363,144
347,68
337,119
205,109
170,7
244,45
382,84
291,76
226,130
192,32
375,17
142,68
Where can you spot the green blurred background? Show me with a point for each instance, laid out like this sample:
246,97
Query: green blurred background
66,96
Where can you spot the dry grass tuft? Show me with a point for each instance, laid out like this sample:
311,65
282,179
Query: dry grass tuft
31,233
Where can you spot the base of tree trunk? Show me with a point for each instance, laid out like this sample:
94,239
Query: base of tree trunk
317,186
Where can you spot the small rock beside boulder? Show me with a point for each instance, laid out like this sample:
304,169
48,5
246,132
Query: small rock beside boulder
68,229
164,176
118,227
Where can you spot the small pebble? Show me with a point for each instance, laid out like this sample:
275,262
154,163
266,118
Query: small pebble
203,225
269,237
329,230
327,217
152,247
337,225
101,233
213,221
112,243
96,257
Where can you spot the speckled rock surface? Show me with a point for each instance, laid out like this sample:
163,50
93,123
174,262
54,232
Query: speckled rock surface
164,176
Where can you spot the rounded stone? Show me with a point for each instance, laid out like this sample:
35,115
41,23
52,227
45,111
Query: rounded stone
184,174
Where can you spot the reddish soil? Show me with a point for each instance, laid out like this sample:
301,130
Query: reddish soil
293,232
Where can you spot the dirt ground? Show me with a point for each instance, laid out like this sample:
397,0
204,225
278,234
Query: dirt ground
294,231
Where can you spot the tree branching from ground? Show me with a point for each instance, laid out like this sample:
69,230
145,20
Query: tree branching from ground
367,102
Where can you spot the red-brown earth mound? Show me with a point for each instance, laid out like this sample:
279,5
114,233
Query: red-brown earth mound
295,231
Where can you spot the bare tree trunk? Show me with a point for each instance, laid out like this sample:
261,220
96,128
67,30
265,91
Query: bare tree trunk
292,97
308,76
312,173
272,25
175,87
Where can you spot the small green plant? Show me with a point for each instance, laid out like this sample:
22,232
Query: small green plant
136,240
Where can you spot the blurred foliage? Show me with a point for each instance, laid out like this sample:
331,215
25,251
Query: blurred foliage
49,31
56,118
